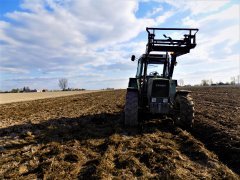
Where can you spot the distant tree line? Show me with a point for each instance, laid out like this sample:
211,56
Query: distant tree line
20,90
62,83
206,82
209,82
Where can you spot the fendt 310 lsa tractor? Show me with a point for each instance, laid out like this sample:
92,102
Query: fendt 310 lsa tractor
153,90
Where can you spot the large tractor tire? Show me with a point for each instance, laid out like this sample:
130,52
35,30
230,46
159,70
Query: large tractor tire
131,109
184,111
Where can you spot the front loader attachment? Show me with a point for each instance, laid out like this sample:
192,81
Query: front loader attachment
176,46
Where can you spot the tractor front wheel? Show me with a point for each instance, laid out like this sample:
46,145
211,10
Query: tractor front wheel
131,109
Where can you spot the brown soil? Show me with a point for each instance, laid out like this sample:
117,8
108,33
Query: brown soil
217,122
82,137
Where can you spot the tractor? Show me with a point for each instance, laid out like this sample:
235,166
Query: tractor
153,90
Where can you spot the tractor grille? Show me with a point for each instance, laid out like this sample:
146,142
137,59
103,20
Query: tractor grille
160,88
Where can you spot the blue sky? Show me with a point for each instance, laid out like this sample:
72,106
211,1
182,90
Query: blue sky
90,42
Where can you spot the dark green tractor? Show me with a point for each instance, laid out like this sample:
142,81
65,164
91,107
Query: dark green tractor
154,92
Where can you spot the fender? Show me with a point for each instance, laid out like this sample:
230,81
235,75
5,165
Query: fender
182,92
132,89
133,83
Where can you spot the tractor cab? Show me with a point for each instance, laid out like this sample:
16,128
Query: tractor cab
156,88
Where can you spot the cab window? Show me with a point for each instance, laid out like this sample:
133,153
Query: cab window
139,69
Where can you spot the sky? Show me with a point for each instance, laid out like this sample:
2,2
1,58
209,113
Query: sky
90,42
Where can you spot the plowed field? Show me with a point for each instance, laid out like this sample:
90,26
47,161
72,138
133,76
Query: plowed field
82,137
217,122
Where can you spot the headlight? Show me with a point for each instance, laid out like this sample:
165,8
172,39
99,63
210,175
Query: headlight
165,100
154,100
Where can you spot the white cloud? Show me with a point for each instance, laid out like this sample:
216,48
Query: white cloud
161,19
220,29
13,70
197,7
229,14
71,29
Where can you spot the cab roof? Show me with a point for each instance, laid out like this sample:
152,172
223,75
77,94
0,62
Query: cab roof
154,58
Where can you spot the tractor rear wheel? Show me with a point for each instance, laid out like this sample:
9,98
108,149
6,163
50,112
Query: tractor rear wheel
131,109
184,111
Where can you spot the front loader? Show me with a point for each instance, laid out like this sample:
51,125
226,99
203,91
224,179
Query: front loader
153,90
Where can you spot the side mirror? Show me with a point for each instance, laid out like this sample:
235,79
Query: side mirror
133,58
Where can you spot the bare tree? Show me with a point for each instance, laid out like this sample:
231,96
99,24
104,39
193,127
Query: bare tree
63,83
205,82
